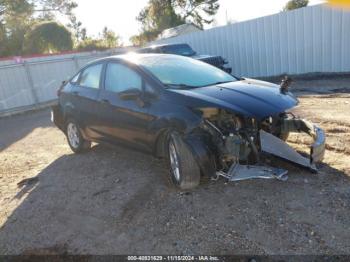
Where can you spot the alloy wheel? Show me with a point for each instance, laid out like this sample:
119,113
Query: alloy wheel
73,135
174,161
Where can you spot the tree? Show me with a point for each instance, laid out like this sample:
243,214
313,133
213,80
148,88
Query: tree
198,12
89,44
162,14
18,17
45,7
14,25
79,32
48,37
295,4
144,37
107,40
154,18
41,7
159,15
14,9
3,39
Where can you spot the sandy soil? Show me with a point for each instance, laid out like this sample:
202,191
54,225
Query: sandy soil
118,201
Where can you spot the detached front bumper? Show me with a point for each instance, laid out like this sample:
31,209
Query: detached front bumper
275,146
318,148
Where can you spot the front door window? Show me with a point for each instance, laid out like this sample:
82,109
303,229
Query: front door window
120,78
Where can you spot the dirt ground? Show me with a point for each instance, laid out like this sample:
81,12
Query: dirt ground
118,201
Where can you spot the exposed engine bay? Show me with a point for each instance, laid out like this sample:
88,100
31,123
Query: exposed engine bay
234,142
237,143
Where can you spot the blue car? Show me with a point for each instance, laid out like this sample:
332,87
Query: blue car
202,120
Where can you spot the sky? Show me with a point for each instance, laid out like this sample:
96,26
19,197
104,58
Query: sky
120,15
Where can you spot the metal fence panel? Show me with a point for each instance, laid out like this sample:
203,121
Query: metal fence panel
306,40
35,80
47,77
15,90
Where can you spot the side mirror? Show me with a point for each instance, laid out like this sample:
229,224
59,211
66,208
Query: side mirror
130,94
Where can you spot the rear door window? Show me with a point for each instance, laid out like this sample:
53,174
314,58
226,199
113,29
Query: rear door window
91,76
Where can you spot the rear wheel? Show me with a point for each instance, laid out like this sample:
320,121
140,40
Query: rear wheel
75,140
184,170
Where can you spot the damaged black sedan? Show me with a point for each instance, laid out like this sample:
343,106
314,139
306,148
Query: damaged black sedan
203,120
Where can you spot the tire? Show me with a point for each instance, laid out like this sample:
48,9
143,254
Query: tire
75,139
184,170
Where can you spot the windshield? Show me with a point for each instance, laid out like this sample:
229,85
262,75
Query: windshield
182,72
183,49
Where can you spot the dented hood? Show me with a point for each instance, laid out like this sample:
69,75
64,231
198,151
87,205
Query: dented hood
248,97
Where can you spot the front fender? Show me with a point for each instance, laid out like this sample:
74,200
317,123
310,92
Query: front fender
204,157
57,117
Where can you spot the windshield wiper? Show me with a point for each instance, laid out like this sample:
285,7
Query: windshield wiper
218,83
184,86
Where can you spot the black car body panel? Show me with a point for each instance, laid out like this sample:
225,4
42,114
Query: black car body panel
244,98
220,123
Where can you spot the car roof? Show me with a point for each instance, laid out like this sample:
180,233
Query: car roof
132,57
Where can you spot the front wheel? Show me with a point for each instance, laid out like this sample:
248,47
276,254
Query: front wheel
75,140
184,170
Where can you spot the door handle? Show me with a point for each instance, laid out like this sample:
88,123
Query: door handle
75,93
105,101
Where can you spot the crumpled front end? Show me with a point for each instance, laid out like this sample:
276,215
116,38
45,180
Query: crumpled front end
231,146
275,146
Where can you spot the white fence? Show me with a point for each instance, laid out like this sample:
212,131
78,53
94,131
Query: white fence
311,39
33,81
